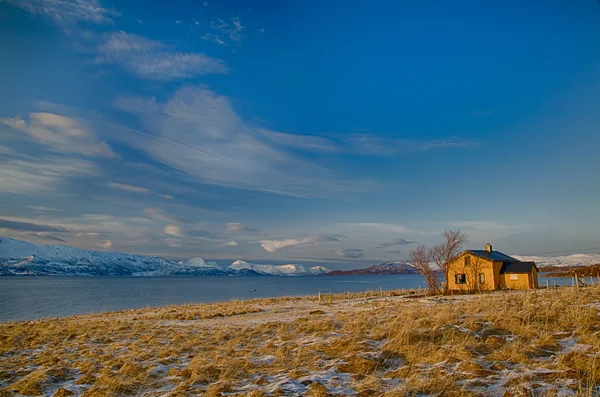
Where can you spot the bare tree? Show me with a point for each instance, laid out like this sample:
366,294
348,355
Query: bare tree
442,254
420,258
433,262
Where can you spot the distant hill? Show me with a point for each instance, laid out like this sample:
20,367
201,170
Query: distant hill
386,268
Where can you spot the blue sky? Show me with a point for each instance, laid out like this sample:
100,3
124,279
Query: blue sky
331,132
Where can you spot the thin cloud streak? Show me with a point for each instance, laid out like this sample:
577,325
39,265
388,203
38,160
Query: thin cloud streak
154,60
275,245
68,12
127,187
30,227
391,243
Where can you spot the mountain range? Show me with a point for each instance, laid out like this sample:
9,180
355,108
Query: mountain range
562,261
385,268
22,258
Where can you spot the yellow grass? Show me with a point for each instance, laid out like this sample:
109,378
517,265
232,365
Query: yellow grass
507,344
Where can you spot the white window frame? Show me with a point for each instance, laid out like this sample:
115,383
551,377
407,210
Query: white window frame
514,277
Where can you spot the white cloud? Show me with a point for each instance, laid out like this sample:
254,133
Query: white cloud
173,230
154,60
199,133
68,12
106,244
166,196
127,187
60,134
33,175
231,243
274,245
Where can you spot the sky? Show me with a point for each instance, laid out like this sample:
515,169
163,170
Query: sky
340,133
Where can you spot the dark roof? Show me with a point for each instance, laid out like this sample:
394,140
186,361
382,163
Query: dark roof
494,255
517,267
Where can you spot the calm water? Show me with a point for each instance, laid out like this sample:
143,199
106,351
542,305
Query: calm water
29,298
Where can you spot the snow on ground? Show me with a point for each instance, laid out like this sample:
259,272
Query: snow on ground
271,362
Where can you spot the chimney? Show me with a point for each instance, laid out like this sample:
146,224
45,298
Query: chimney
488,247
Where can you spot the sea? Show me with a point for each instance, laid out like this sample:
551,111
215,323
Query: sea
31,298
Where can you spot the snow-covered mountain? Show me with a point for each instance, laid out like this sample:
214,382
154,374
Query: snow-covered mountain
278,270
22,258
200,263
561,261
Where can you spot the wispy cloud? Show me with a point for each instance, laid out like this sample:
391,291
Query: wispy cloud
275,245
154,60
30,227
60,134
198,132
127,187
158,214
240,227
36,236
351,253
391,243
68,12
362,144
106,244
173,230
32,175
227,31
304,142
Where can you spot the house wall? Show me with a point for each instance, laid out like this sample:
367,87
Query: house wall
523,281
478,265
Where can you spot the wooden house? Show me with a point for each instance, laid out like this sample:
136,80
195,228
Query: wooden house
486,270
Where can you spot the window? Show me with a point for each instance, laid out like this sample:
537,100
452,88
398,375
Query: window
460,278
514,277
467,261
481,278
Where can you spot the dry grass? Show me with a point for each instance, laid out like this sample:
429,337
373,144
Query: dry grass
504,344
